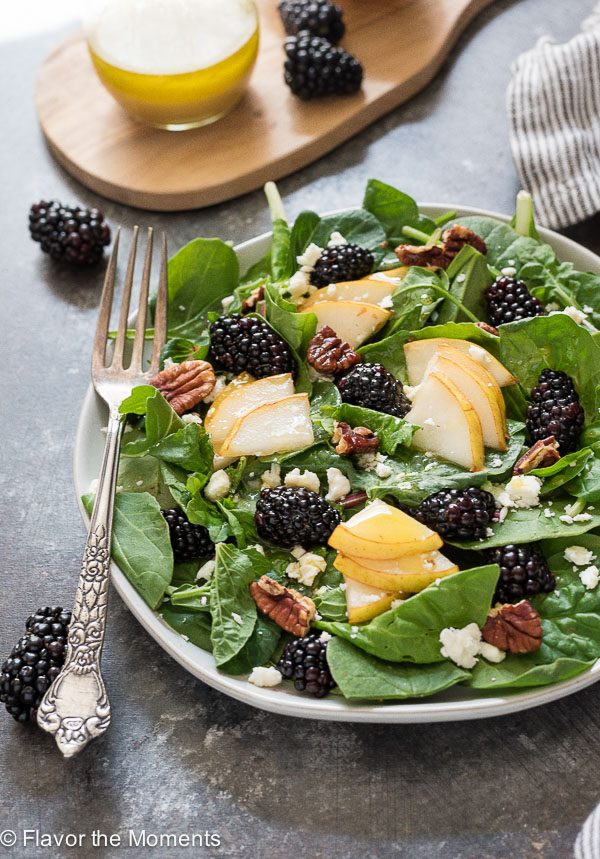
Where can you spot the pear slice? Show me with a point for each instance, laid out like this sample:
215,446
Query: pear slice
449,425
410,574
419,353
241,397
364,602
383,532
353,321
396,273
480,388
275,427
369,291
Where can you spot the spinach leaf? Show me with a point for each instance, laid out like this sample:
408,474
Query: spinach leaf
469,277
259,648
563,471
324,395
361,677
356,225
192,596
179,349
392,432
297,329
201,511
201,274
232,608
394,210
411,632
144,474
416,299
389,352
191,624
331,604
302,232
587,483
137,402
189,448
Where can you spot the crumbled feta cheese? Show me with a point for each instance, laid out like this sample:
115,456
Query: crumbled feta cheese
461,277
522,491
549,514
265,677
206,570
342,586
182,307
409,391
237,618
325,637
227,302
508,271
582,517
220,383
590,577
489,532
192,418
573,313
306,569
310,256
396,603
579,555
303,480
382,470
502,514
462,646
491,653
587,309
568,520
299,287
553,307
218,486
336,240
429,422
386,302
338,485
496,461
139,482
367,461
353,629
271,478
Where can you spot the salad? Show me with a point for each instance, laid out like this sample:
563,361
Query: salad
370,465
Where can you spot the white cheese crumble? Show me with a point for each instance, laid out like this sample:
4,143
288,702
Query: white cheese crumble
410,391
582,517
237,618
590,577
338,485
429,422
375,462
192,418
522,491
508,271
206,570
336,240
220,383
227,302
218,486
462,646
579,555
265,677
299,287
461,277
271,478
396,603
382,470
310,256
549,514
306,569
574,313
303,480
325,637
568,520
491,652
386,302
496,461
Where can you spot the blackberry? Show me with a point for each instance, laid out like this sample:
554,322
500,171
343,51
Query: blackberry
523,572
188,541
341,262
457,514
69,233
241,343
304,661
509,300
318,17
315,68
287,516
34,662
371,386
555,410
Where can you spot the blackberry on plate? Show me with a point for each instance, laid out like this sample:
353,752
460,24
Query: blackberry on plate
241,343
341,262
371,386
188,541
509,300
34,662
555,410
70,233
304,661
523,572
287,516
318,17
314,67
458,514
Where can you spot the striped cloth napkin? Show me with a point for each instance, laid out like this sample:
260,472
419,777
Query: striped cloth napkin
587,845
554,119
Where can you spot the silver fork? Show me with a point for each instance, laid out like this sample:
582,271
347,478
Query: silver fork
76,708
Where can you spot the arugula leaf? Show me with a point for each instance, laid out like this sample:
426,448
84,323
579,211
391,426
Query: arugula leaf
230,599
192,624
361,677
201,274
411,632
394,210
392,432
137,402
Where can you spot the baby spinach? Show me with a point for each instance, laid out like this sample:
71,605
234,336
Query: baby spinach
179,349
296,328
302,232
392,432
389,352
331,604
469,277
257,650
414,301
232,608
191,624
357,226
394,210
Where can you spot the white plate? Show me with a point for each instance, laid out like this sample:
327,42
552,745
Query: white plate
454,704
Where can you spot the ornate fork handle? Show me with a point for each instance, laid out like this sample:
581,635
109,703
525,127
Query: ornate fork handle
76,708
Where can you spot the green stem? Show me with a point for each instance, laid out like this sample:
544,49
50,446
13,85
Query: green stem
414,233
443,219
524,223
443,292
275,202
184,597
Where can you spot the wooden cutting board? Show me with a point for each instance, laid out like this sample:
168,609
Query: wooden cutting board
401,43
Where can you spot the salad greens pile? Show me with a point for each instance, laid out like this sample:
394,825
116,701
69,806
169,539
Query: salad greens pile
167,461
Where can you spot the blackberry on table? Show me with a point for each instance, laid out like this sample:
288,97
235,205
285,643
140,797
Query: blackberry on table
314,68
70,233
318,17
524,572
371,386
341,262
188,541
509,300
289,516
34,662
304,661
555,410
241,343
458,514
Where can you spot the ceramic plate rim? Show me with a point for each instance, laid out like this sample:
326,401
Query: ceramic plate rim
279,700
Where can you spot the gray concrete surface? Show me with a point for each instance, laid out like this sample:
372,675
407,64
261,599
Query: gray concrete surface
181,758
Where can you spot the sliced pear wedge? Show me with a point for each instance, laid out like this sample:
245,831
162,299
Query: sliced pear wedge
275,427
353,321
364,602
395,273
410,574
239,398
419,353
369,291
449,425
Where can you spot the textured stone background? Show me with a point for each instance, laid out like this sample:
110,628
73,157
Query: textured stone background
180,757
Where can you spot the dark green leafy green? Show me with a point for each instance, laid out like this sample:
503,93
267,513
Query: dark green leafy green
392,432
469,277
232,608
257,650
394,210
191,624
179,349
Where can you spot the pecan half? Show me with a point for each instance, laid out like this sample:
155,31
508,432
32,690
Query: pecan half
286,607
543,452
513,628
349,440
249,304
456,237
432,256
185,385
489,328
327,353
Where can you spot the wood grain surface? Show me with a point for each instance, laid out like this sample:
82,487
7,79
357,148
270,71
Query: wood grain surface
401,43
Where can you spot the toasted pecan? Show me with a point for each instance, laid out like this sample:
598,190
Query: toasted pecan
185,385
